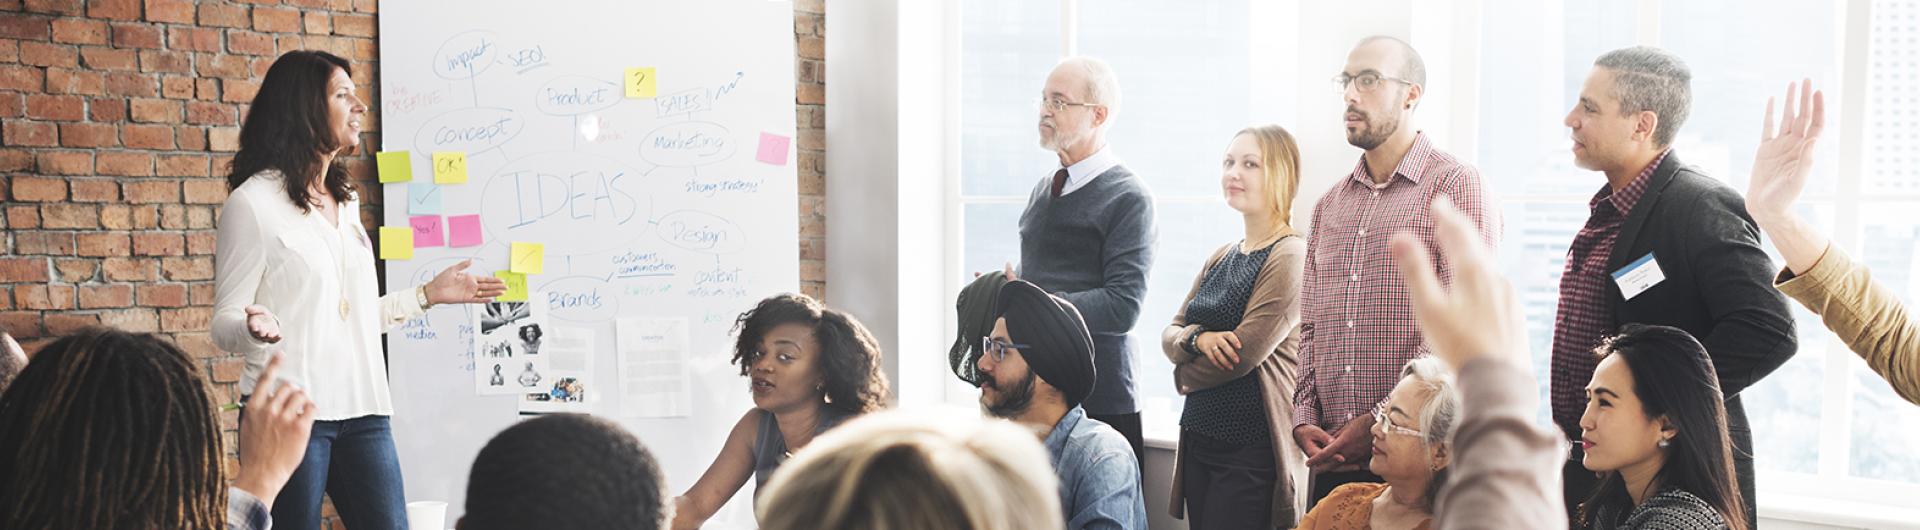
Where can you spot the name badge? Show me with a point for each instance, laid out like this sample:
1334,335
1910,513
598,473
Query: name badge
1637,277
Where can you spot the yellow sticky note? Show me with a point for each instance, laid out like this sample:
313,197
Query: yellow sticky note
396,242
449,167
640,83
516,286
527,258
395,166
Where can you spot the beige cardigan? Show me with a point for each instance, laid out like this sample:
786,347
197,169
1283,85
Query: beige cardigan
1270,344
1865,315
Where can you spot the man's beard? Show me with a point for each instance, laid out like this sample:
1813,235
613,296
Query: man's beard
1013,401
1060,139
1374,133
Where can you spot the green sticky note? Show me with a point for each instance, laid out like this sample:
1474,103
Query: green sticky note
640,83
527,258
395,166
516,286
449,167
396,242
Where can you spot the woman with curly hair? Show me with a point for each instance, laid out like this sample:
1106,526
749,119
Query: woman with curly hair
810,368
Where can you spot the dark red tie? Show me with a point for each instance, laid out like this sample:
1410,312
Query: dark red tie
1059,182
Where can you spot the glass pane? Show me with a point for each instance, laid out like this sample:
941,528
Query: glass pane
1185,82
1893,119
1537,55
1884,426
1781,407
991,236
1749,53
1533,252
1006,49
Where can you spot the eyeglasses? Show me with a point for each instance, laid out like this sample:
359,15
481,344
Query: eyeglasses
1058,105
997,348
1386,424
1366,83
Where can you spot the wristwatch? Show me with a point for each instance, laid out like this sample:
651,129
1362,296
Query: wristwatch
420,295
1190,345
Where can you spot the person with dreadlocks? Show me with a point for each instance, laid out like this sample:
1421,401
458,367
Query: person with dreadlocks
113,430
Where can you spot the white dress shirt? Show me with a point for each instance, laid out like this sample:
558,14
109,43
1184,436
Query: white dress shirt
317,279
1081,173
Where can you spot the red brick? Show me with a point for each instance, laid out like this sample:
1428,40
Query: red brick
238,90
73,30
12,105
152,191
176,87
136,36
56,108
205,113
94,189
318,23
61,324
205,191
225,66
143,217
162,295
175,11
28,133
181,165
112,296
168,61
196,319
56,7
43,297
187,268
132,85
104,58
134,320
76,270
199,345
15,160
313,4
39,189
366,6
31,242
206,89
155,110
62,81
249,43
130,269
102,244
364,51
200,243
23,217
159,244
114,9
191,138
25,27
62,163
354,25
223,139
200,217
193,39
107,109
23,270
89,135
148,136
276,19
123,163
9,50
229,370
22,324
223,15
22,78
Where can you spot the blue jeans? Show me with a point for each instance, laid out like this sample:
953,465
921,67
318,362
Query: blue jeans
354,461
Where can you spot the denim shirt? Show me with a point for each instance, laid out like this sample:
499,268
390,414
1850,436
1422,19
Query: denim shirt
1099,477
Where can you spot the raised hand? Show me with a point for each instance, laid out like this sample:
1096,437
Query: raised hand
1479,316
1785,157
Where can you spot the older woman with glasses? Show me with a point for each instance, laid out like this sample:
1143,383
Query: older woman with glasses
1411,450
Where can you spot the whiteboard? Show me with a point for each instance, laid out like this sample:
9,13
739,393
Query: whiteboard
647,207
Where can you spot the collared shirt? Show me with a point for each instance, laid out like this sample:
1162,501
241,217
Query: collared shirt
1585,315
1357,322
1082,172
1099,477
246,512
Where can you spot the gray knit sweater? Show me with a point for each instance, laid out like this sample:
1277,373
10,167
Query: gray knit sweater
1093,247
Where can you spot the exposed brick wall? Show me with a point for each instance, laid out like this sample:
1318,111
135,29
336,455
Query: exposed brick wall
118,119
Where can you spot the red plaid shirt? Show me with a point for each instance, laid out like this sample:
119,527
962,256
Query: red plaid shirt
1357,327
1586,313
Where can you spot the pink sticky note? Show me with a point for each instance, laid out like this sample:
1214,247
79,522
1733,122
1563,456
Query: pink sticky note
427,232
773,149
465,230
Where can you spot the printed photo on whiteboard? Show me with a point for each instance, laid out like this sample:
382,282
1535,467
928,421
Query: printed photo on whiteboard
506,352
569,387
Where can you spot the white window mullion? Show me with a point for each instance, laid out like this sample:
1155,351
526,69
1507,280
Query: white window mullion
1069,28
1836,410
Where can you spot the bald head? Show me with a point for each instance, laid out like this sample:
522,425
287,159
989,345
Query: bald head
1398,53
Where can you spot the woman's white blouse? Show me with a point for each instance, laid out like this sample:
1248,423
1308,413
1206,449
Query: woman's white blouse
318,280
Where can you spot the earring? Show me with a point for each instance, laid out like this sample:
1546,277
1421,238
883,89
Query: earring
1663,444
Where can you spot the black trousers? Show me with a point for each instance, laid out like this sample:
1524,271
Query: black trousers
1228,486
1129,426
1319,485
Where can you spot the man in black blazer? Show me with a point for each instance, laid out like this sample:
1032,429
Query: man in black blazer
1664,244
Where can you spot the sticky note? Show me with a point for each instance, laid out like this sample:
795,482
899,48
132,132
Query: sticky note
464,230
395,166
527,258
639,83
516,286
423,198
773,149
396,242
427,231
449,167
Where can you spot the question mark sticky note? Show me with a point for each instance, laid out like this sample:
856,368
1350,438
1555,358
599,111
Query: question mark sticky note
640,83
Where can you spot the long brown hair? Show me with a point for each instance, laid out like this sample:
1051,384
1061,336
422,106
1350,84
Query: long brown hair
114,430
850,356
287,128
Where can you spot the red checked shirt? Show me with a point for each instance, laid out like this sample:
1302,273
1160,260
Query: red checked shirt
1357,323
1586,315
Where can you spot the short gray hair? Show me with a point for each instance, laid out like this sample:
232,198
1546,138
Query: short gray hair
1443,402
1103,88
1646,78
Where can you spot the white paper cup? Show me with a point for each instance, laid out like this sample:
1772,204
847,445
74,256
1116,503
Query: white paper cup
427,515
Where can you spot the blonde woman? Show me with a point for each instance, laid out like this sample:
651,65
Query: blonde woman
906,470
1233,349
